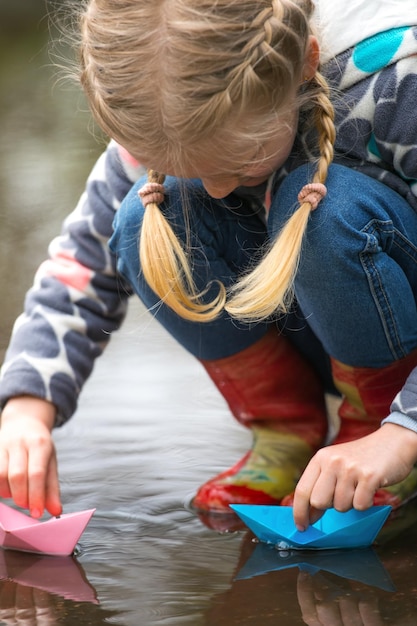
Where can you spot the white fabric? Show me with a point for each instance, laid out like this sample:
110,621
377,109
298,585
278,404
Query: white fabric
343,23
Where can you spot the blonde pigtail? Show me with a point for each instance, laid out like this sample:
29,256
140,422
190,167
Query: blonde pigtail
164,263
268,289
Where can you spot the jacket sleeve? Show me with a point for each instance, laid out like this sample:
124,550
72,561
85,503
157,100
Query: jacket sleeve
77,298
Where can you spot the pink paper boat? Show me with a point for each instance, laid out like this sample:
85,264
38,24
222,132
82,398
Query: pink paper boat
57,535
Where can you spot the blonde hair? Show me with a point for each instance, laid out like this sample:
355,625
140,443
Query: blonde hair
163,77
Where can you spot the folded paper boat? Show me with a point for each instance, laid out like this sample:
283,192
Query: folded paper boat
334,530
55,536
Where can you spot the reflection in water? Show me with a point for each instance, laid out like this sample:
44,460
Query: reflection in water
38,590
22,605
362,565
62,576
146,433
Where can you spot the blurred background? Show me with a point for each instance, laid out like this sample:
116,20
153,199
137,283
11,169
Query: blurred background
47,143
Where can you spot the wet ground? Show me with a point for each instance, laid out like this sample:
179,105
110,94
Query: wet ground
149,430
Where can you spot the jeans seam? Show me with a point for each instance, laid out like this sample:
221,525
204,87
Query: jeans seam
383,306
372,230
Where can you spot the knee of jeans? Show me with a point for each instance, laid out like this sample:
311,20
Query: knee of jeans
321,224
339,219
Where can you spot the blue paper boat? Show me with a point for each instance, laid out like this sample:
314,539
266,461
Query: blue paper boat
334,530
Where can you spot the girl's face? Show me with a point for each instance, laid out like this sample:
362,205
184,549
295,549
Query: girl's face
221,181
220,176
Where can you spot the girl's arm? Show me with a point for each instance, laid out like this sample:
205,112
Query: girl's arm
75,303
77,298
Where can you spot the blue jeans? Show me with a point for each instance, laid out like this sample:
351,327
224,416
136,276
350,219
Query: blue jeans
357,280
356,286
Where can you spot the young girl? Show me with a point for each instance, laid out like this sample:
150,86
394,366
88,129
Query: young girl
275,238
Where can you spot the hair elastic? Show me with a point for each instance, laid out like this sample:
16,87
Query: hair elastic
312,193
151,193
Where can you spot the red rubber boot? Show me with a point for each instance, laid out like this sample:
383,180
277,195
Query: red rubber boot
270,388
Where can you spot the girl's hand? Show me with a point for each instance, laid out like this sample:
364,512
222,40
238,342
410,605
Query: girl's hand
28,467
347,475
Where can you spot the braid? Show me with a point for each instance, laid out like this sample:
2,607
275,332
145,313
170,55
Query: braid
271,58
269,287
165,265
324,122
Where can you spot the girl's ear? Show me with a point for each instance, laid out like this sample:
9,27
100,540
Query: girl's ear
312,59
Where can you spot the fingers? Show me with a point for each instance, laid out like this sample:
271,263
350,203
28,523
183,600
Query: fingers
363,498
53,498
17,475
302,496
4,475
28,474
37,474
333,479
28,470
